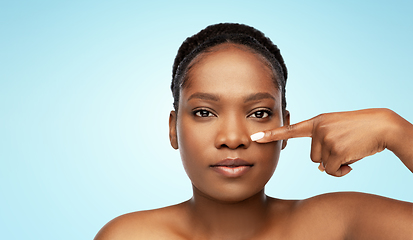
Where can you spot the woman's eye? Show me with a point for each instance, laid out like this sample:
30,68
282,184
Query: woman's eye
203,113
261,114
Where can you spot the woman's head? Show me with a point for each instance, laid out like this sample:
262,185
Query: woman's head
205,41
225,91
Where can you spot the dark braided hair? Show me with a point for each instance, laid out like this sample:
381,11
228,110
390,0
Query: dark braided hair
214,35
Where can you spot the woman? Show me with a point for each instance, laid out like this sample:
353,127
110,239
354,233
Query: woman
230,123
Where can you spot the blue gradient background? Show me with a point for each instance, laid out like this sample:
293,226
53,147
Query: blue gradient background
85,100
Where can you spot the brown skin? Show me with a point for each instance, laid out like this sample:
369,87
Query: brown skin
218,111
360,133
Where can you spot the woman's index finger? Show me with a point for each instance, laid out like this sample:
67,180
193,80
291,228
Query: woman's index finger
301,129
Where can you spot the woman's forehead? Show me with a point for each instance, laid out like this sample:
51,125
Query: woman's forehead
230,69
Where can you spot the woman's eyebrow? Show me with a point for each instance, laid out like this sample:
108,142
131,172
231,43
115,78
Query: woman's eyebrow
258,96
204,96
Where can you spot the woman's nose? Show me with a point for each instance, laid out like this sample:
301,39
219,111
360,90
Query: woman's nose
232,134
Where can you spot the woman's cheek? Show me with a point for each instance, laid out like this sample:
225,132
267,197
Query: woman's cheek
269,154
194,143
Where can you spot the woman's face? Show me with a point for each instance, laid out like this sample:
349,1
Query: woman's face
230,94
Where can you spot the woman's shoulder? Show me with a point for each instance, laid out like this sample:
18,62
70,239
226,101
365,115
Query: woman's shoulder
343,199
322,201
150,224
338,203
345,213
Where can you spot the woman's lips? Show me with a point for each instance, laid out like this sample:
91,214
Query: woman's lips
232,167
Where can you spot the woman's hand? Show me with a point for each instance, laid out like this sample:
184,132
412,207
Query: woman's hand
342,138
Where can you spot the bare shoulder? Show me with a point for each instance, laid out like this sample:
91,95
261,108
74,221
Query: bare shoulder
151,224
354,204
345,201
353,215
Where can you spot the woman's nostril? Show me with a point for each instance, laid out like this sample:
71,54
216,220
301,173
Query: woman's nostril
232,141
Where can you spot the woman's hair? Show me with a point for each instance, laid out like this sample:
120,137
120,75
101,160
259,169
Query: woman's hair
214,35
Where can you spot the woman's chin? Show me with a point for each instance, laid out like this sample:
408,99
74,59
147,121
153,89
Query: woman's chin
228,196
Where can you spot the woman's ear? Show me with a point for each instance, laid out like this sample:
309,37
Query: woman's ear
172,130
286,119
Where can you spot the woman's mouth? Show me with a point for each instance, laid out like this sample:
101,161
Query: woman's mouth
232,167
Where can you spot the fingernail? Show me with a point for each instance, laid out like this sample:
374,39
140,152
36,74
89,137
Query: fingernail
321,168
257,136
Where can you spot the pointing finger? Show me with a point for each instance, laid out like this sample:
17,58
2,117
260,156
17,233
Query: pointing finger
301,129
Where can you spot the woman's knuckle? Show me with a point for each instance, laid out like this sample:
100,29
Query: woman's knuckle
314,157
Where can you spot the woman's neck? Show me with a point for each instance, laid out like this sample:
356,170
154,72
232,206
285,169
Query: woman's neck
228,220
